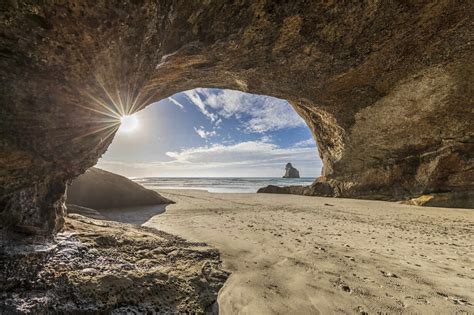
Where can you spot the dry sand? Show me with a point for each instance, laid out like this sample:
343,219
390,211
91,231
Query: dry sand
309,255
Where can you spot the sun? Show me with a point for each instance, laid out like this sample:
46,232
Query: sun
128,123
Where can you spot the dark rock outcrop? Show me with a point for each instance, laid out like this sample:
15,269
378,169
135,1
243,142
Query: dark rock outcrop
385,87
99,189
291,172
295,190
103,267
320,188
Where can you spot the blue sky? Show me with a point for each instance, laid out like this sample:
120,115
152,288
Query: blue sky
214,132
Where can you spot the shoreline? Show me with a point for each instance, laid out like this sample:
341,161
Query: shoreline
219,184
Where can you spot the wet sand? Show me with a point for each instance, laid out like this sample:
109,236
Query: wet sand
311,255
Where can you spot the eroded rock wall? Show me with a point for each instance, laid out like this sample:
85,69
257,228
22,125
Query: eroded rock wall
384,86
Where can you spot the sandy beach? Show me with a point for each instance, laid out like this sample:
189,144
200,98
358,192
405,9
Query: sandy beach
310,255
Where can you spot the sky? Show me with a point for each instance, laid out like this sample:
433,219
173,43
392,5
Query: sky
213,133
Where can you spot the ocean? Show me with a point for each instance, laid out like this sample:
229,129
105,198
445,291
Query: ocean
220,184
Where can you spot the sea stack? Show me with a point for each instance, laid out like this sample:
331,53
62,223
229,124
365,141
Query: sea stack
291,172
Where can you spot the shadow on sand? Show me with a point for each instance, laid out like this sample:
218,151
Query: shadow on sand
133,215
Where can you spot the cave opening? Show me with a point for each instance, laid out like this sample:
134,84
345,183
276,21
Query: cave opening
207,138
378,105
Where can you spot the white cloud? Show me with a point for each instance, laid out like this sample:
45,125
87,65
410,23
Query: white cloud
305,143
194,96
176,102
203,133
262,113
244,153
249,158
266,139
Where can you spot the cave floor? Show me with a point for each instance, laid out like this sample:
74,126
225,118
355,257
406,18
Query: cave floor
308,255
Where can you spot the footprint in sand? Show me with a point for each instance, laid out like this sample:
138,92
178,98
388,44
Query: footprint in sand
346,288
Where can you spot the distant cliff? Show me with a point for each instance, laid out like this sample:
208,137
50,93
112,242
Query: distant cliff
291,172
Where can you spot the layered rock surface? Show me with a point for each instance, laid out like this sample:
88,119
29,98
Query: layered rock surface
385,87
101,267
99,189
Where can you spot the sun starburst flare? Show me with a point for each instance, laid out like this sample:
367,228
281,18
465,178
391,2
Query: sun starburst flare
128,123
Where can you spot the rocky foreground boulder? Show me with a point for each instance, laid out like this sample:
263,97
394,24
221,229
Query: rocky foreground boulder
103,267
99,189
384,86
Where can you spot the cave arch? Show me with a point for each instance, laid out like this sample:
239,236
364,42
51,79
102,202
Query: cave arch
377,82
